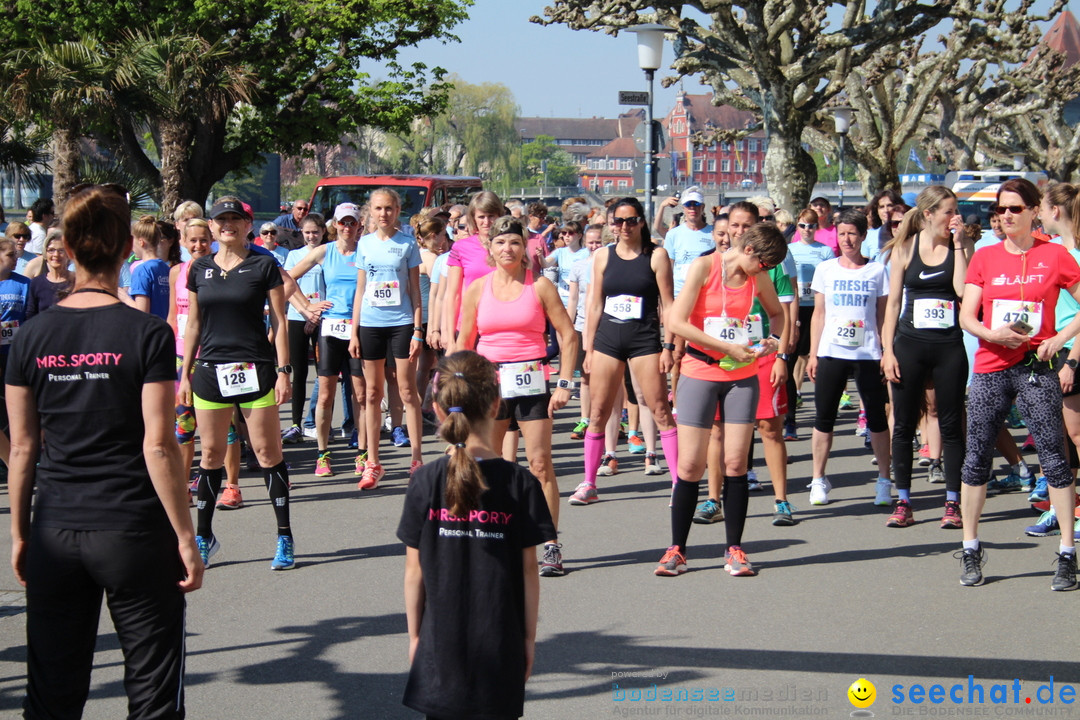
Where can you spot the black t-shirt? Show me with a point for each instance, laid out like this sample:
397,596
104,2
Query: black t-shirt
231,308
470,661
86,369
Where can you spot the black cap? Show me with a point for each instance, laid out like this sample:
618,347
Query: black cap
228,206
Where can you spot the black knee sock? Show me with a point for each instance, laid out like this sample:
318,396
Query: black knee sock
277,485
683,502
209,487
736,502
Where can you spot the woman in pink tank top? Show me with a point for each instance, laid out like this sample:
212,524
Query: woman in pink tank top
510,309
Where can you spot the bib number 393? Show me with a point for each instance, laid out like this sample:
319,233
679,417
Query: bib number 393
933,314
623,307
521,379
237,379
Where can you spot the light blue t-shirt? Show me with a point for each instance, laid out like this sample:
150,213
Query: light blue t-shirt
281,252
684,245
438,268
565,259
339,273
988,238
387,302
311,284
807,258
871,246
23,260
1067,307
581,273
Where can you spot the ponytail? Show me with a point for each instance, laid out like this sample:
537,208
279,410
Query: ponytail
465,390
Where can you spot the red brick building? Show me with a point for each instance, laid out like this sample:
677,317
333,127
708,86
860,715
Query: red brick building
720,165
610,169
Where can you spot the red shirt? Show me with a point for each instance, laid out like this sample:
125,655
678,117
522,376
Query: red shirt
1036,276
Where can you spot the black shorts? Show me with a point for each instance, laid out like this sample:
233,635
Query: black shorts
334,358
805,315
624,340
524,409
376,343
204,383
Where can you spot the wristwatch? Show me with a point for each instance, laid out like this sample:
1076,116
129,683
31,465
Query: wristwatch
287,369
782,356
565,384
1071,363
668,346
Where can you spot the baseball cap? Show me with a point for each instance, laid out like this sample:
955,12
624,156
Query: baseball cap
691,194
229,206
345,210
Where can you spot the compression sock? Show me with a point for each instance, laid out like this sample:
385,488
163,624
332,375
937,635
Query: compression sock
904,494
736,502
209,487
594,450
669,441
683,502
277,485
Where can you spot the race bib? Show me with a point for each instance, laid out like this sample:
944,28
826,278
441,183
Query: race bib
1006,312
933,314
847,333
521,379
7,331
181,325
340,328
623,307
681,272
805,291
237,379
313,297
384,293
755,328
727,329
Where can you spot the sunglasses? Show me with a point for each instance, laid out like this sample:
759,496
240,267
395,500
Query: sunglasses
764,265
768,218
268,232
1014,209
630,221
23,236
895,223
692,204
346,222
302,209
808,226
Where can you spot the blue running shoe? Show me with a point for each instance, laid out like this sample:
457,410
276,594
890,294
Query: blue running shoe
207,548
1047,525
1013,419
846,403
401,439
1039,493
283,559
1011,483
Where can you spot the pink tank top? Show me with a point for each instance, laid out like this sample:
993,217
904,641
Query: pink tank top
511,331
181,290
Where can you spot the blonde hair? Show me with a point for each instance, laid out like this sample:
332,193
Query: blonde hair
928,200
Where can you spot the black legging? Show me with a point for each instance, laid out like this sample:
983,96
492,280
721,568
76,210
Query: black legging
299,342
946,364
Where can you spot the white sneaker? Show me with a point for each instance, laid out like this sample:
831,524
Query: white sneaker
752,483
819,491
883,496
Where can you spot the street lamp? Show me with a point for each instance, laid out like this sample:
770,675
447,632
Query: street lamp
1018,159
650,44
842,122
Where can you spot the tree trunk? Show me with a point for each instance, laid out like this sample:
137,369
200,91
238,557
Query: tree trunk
790,172
176,138
65,164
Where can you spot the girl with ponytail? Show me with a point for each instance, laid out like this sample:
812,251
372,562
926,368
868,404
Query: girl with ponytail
471,523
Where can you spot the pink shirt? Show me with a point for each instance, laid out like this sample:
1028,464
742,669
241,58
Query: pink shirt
181,306
471,256
827,237
513,330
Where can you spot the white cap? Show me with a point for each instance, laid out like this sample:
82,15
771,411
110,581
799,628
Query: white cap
691,194
345,210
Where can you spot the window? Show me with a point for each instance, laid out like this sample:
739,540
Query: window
753,146
738,166
740,145
725,165
753,166
725,147
607,186
624,165
610,164
624,184
712,165
697,164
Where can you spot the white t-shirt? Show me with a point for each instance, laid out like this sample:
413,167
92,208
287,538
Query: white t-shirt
581,273
683,246
851,331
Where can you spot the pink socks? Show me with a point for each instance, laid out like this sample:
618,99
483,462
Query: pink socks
594,450
669,440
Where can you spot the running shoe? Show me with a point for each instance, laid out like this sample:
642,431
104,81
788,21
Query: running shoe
936,474
1028,444
551,564
1047,525
1039,493
883,492
708,512
1065,575
207,548
414,466
283,558
1040,507
790,432
798,400
584,494
322,465
1011,483
1076,530
361,461
736,564
354,440
1013,420
230,498
782,511
860,424
672,563
292,436
901,516
951,518
652,465
971,562
924,456
608,465
578,433
819,491
637,444
401,439
752,483
373,473
846,403
194,486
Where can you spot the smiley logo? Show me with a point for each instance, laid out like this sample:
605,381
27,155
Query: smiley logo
862,693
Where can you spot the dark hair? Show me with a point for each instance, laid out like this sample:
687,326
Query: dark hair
97,228
169,232
647,244
767,242
537,209
854,217
745,206
466,390
1022,187
874,215
41,208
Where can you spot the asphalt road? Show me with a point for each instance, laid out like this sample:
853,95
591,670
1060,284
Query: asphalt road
838,597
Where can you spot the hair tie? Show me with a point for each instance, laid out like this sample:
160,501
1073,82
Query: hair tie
460,375
453,409
459,445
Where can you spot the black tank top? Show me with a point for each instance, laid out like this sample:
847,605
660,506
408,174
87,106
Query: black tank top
930,288
635,278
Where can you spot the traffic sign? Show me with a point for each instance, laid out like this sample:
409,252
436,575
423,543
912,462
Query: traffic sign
633,97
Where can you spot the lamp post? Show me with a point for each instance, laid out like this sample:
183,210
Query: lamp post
842,122
650,44
1018,159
